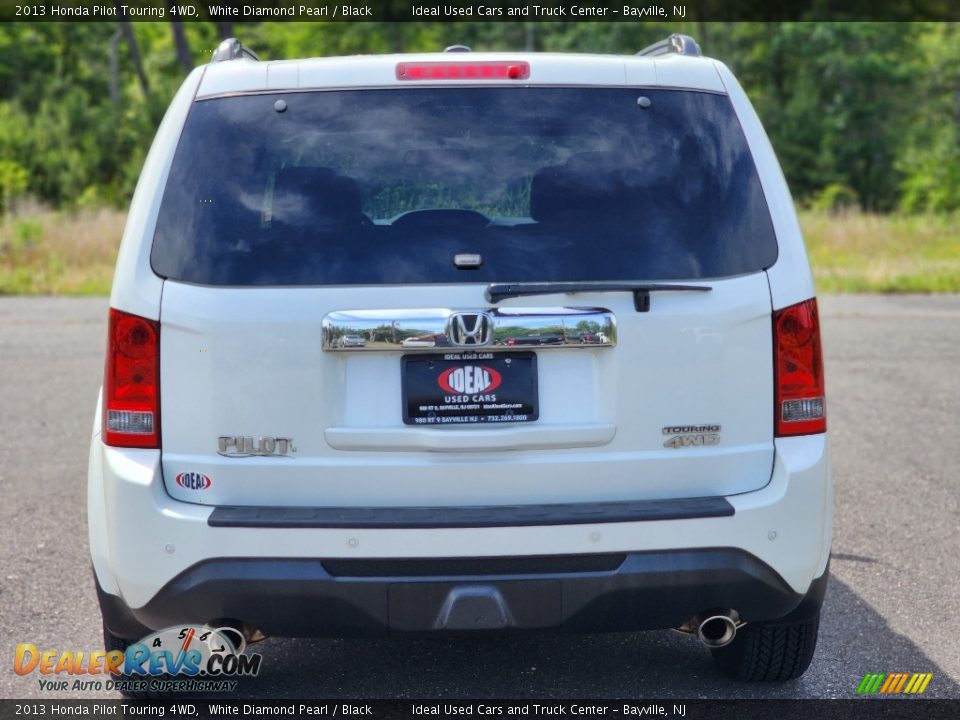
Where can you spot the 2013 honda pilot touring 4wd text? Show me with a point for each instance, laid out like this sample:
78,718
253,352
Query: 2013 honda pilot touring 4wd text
465,342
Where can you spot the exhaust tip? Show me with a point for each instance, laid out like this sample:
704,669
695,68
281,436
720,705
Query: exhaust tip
246,633
717,630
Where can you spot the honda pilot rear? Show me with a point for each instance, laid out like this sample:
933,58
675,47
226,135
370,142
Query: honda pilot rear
465,342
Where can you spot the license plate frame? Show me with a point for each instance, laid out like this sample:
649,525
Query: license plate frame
491,389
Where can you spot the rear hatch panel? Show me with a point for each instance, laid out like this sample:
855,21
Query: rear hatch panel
251,363
283,209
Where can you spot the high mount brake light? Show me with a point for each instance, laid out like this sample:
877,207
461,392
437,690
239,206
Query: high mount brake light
131,383
798,371
491,70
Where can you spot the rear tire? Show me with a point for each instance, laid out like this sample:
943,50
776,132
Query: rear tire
769,652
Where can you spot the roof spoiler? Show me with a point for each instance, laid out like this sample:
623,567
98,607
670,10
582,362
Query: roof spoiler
231,49
676,44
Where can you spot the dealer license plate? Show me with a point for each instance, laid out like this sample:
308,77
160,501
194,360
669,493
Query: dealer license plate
469,387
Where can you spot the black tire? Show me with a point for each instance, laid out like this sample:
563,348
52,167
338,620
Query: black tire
112,642
769,652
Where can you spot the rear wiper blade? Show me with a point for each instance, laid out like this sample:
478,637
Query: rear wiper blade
641,291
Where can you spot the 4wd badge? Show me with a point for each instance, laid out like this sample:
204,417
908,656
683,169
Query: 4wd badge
685,436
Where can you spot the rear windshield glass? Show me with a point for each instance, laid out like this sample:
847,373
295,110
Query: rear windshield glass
391,186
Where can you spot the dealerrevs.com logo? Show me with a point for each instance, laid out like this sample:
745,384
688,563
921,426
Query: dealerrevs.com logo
186,658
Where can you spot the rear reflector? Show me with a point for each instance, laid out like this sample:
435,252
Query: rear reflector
495,70
130,421
131,383
798,371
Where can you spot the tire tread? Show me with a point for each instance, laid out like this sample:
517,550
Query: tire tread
769,652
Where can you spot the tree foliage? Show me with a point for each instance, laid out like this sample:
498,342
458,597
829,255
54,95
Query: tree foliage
864,112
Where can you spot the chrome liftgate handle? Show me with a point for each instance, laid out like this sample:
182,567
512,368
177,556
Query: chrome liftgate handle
486,329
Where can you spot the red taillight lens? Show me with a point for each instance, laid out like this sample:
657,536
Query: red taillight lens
494,70
798,371
131,383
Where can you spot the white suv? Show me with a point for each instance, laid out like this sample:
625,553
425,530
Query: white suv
347,389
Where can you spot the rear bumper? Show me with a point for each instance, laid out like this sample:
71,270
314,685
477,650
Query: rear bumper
161,560
348,598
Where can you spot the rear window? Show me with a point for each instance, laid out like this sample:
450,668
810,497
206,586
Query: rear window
391,186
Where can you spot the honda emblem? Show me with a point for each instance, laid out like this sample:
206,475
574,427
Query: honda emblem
470,329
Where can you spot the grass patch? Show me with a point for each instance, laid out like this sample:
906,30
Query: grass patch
43,252
856,252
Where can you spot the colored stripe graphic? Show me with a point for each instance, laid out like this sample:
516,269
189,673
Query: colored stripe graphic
870,683
899,679
901,683
920,684
894,683
891,683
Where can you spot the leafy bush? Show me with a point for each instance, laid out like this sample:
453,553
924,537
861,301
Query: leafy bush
13,183
835,198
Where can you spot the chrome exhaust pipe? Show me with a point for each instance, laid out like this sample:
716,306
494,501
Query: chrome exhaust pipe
717,630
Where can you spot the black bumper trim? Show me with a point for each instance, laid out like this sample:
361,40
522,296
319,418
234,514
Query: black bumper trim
239,516
301,598
473,566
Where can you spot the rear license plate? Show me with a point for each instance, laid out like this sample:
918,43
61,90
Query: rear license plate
465,388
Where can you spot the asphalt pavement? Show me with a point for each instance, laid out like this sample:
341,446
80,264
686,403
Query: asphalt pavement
893,374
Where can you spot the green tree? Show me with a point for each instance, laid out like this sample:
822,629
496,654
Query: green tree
930,162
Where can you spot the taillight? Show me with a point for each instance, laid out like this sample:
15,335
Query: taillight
131,383
489,70
798,371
